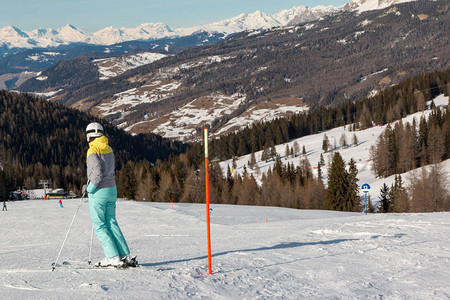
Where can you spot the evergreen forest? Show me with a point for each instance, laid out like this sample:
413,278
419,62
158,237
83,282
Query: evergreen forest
42,140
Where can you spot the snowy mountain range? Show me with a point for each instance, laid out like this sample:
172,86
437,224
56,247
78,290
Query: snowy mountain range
13,37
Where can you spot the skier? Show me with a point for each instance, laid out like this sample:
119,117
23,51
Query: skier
102,192
60,204
4,205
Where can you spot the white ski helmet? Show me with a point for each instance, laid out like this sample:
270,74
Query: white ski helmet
94,130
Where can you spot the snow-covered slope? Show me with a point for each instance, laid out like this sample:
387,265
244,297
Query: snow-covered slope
366,5
360,153
13,37
257,253
114,66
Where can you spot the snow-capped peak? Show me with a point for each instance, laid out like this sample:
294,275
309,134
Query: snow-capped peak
148,31
71,34
303,14
14,37
13,32
244,21
111,35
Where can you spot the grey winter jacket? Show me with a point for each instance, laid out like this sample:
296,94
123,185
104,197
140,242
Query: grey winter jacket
100,165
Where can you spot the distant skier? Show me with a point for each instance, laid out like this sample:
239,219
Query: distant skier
4,205
102,199
60,204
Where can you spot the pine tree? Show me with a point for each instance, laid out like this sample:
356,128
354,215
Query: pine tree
353,188
266,154
385,201
229,176
392,151
354,140
422,142
321,160
3,188
273,152
128,182
319,171
343,140
337,195
252,161
325,143
304,151
286,152
278,168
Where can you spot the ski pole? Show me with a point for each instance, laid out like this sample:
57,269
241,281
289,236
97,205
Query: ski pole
67,234
90,246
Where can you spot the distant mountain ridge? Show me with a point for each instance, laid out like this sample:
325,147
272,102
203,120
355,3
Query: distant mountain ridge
13,37
17,68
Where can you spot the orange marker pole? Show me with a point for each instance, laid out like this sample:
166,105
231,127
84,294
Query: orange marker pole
208,227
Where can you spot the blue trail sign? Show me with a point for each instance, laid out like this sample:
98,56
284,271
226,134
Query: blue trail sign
365,188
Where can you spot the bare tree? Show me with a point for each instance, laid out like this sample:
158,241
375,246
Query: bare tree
436,144
428,190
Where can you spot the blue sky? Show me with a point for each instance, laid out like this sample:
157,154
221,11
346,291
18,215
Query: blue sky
91,15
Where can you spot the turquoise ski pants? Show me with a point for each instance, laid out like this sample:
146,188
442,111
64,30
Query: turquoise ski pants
102,208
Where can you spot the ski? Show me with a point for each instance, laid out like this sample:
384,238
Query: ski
132,263
96,268
91,268
122,266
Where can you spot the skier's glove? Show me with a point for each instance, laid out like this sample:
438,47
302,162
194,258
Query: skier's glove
83,189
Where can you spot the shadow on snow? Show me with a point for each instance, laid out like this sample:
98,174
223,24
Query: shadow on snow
278,246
